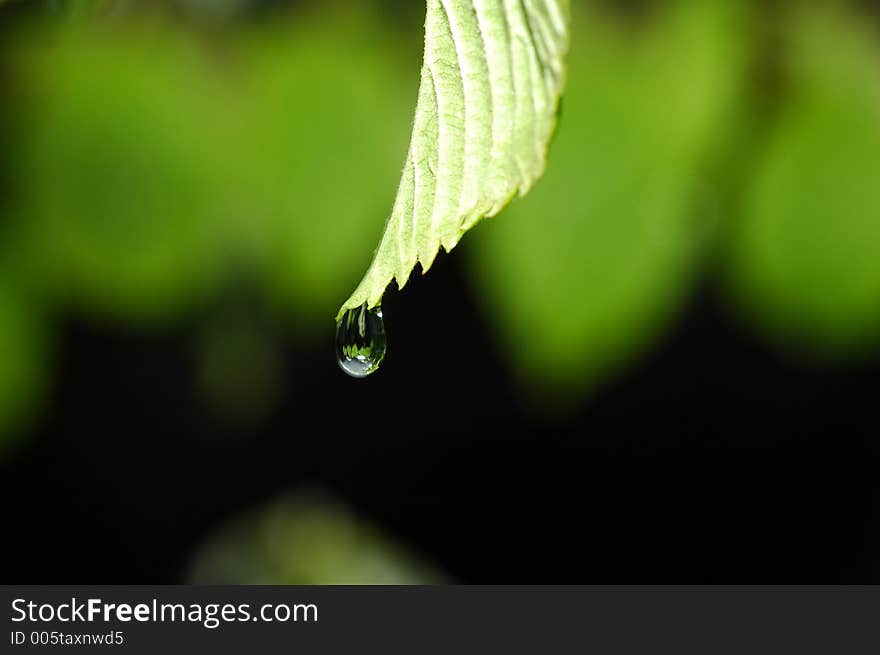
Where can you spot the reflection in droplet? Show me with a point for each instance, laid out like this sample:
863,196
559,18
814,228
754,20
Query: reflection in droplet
361,341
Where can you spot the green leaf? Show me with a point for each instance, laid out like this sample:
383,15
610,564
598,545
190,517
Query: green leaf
492,76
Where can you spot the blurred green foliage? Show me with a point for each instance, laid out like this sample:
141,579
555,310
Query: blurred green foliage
24,359
326,128
153,158
805,259
584,272
118,171
302,539
153,162
240,370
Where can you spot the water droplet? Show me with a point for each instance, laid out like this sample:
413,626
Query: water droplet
361,341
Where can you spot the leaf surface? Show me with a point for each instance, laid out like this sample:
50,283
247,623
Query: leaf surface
491,80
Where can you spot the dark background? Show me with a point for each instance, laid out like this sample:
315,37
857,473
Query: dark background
712,461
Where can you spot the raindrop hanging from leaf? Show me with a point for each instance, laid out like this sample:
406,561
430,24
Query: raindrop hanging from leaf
360,341
492,77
